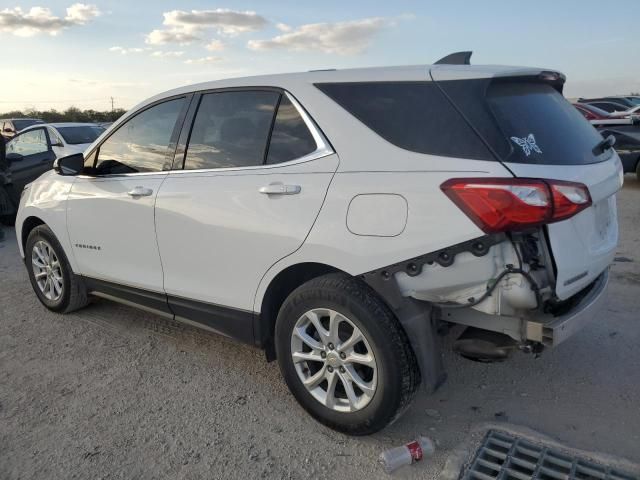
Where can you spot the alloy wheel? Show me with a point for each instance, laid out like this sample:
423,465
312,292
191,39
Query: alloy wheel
47,270
334,360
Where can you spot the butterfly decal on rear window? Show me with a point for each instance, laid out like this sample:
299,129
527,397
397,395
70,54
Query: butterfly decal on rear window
528,144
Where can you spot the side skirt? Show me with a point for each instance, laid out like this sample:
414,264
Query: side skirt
230,322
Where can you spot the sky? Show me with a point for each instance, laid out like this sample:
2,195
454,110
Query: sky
61,53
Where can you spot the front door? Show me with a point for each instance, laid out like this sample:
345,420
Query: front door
241,203
30,156
110,209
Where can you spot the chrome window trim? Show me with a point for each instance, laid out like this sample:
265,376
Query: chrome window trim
116,175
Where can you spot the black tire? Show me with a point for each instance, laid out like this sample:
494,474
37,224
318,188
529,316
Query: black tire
638,169
74,293
398,376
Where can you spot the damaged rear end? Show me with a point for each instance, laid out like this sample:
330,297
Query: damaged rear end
541,271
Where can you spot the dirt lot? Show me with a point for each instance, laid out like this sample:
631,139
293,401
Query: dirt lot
112,392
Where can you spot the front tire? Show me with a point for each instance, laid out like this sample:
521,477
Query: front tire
51,276
344,355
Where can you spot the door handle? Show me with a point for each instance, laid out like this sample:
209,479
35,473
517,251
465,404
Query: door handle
280,189
140,192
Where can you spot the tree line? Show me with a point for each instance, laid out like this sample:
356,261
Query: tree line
71,114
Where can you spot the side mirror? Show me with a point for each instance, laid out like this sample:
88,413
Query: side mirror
70,165
14,157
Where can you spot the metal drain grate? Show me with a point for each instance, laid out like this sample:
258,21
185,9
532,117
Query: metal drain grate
505,457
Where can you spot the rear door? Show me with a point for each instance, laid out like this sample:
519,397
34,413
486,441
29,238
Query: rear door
536,133
256,170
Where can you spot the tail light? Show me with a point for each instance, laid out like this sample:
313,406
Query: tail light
508,204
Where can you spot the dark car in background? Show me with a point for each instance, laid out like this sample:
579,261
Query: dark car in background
32,152
627,145
9,127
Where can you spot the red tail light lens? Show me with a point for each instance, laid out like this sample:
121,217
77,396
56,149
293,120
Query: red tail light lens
568,199
508,204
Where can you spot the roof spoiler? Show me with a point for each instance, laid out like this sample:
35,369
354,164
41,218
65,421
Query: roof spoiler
457,58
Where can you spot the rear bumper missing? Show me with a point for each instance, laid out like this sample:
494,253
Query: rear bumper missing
543,328
558,329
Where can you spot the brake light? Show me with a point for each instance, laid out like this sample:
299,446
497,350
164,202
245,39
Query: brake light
508,204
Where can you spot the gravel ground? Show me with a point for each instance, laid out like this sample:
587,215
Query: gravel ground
112,392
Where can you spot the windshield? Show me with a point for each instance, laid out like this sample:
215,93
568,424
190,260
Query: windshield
22,124
634,100
541,126
81,134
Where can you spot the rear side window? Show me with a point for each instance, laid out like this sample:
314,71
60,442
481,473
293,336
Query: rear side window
541,126
231,129
141,143
290,138
415,116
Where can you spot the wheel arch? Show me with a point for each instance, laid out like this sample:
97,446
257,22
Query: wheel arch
27,226
278,289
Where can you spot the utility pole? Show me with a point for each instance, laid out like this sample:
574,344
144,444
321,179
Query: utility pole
111,103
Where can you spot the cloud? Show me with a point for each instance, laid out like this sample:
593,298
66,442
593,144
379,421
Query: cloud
228,22
196,61
185,27
214,46
162,37
42,20
126,51
342,38
160,54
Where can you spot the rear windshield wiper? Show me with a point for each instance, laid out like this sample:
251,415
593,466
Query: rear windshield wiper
604,144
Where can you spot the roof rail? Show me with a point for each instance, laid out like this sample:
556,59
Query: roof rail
457,58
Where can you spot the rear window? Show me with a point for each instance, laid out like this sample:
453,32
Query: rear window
541,126
79,135
415,116
24,123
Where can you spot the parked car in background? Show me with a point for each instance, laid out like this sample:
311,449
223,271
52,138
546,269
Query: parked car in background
10,127
599,117
627,145
33,151
341,220
69,138
609,104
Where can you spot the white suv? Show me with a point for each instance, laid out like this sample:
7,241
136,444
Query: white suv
341,220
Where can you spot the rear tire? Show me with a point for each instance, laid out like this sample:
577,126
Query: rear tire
382,363
51,276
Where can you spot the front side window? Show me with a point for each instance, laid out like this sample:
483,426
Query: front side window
290,138
29,143
231,129
141,143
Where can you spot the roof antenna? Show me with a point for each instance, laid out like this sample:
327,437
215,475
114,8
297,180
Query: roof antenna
457,58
